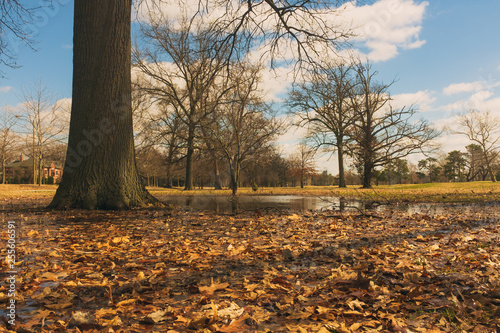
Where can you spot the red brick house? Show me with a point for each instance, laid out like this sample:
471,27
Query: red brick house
22,171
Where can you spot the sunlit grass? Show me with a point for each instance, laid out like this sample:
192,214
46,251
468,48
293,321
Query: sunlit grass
434,192
26,191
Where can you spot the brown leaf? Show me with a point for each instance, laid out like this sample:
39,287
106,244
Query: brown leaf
213,288
59,306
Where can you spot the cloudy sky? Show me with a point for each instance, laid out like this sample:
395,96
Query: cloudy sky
444,56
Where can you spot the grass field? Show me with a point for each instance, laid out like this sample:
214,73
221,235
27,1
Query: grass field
434,192
26,191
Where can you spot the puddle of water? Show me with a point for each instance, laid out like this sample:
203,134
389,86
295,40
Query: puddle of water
224,204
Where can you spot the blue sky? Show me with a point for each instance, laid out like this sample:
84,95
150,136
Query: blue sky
448,62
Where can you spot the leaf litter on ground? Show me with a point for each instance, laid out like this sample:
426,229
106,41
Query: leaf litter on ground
175,271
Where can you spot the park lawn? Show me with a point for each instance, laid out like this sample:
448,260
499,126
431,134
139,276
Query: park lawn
433,192
26,190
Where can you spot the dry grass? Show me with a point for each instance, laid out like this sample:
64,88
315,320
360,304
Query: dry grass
435,192
26,191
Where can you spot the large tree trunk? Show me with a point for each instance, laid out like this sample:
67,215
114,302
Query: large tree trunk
189,170
189,158
367,174
234,175
217,183
34,160
100,170
3,170
169,177
341,165
40,167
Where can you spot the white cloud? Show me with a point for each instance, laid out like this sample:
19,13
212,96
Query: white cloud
293,135
459,105
275,82
462,87
423,100
415,45
5,89
381,50
450,142
386,26
483,100
481,96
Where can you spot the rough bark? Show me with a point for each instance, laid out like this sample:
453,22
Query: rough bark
189,162
217,182
40,169
100,170
367,174
234,170
3,170
340,154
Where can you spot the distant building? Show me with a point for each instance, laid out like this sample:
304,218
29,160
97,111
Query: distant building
21,172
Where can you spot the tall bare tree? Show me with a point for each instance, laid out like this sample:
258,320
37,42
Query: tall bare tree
483,129
160,129
45,119
382,133
322,103
302,163
8,138
190,80
244,125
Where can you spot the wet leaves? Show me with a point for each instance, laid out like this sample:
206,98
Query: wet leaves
175,272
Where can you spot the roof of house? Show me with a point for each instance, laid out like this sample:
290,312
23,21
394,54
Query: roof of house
29,164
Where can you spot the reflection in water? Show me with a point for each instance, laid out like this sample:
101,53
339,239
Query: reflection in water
229,204
221,204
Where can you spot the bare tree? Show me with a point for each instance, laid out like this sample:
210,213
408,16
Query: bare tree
189,81
323,104
302,163
244,125
483,129
160,129
382,133
8,139
305,30
16,26
46,119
